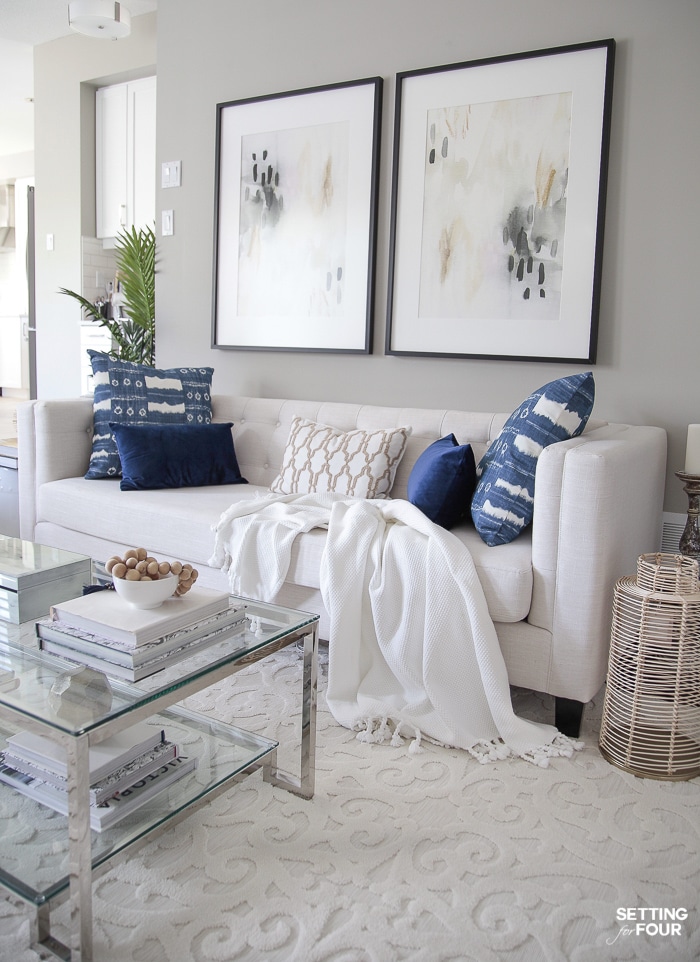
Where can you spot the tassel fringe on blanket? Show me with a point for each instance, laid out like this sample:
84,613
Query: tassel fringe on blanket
413,651
382,730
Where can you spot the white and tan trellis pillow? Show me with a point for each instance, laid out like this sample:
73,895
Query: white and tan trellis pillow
359,464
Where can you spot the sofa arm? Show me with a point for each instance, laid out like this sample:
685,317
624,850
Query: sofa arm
54,441
598,506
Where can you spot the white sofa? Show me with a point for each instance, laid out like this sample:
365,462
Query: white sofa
598,504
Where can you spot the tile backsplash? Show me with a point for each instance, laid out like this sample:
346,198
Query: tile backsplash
99,265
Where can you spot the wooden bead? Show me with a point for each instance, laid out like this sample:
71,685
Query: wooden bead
138,565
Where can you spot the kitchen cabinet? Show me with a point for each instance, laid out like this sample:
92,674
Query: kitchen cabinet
125,155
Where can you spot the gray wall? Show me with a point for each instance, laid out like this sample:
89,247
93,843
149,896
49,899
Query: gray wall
647,367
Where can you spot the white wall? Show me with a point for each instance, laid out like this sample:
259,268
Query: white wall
65,71
649,340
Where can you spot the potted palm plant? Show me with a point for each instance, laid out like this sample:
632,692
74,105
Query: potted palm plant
133,334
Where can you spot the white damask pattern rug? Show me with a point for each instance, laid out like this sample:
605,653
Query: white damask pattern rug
427,857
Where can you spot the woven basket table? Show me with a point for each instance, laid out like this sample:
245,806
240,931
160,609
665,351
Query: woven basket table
651,712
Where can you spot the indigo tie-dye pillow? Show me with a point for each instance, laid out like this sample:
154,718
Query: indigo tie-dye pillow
130,393
504,498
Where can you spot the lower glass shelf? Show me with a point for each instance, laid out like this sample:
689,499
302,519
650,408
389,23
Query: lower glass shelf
34,838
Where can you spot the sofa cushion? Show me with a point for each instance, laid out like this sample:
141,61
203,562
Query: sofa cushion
176,455
320,458
175,521
504,497
179,523
442,481
130,393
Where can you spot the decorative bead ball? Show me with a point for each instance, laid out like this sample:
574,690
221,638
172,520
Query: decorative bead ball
138,565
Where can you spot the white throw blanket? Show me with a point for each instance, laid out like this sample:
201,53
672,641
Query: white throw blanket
412,647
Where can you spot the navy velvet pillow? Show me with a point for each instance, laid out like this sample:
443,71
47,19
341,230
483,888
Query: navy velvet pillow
175,455
442,481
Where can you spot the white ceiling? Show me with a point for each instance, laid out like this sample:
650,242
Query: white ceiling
23,24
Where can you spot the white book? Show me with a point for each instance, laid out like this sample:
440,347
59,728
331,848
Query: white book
119,671
107,756
106,613
110,812
62,647
107,787
120,653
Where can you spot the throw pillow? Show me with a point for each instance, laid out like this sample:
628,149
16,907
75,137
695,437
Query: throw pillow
130,393
442,481
176,455
320,458
503,502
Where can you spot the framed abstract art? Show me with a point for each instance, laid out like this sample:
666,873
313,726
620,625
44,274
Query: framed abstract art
498,206
295,219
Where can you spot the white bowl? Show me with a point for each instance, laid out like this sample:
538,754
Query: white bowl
146,594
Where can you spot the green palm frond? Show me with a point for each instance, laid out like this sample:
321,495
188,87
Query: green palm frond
136,265
133,335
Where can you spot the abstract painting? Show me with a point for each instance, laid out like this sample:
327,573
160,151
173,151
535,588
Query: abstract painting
497,206
296,199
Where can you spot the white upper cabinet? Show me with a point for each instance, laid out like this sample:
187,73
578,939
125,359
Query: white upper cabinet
125,154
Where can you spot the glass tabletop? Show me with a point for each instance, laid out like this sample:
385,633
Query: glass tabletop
33,683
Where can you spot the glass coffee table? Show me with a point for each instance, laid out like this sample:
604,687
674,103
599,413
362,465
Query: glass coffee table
46,857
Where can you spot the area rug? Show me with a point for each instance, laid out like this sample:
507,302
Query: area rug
425,856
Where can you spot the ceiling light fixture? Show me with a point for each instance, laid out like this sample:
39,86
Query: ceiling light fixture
100,18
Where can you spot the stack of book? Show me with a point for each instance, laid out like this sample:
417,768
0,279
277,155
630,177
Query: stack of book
101,631
126,771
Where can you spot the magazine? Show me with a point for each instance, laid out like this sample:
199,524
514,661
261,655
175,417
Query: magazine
114,809
107,787
105,757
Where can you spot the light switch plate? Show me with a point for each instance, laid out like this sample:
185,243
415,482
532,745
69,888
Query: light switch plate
170,173
167,223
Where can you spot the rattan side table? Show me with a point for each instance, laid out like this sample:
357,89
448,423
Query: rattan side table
651,712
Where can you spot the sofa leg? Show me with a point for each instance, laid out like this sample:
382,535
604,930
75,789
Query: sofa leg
568,715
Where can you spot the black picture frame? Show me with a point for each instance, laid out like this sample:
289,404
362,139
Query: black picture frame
498,206
295,219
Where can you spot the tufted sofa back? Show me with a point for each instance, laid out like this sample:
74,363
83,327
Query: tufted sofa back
262,425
